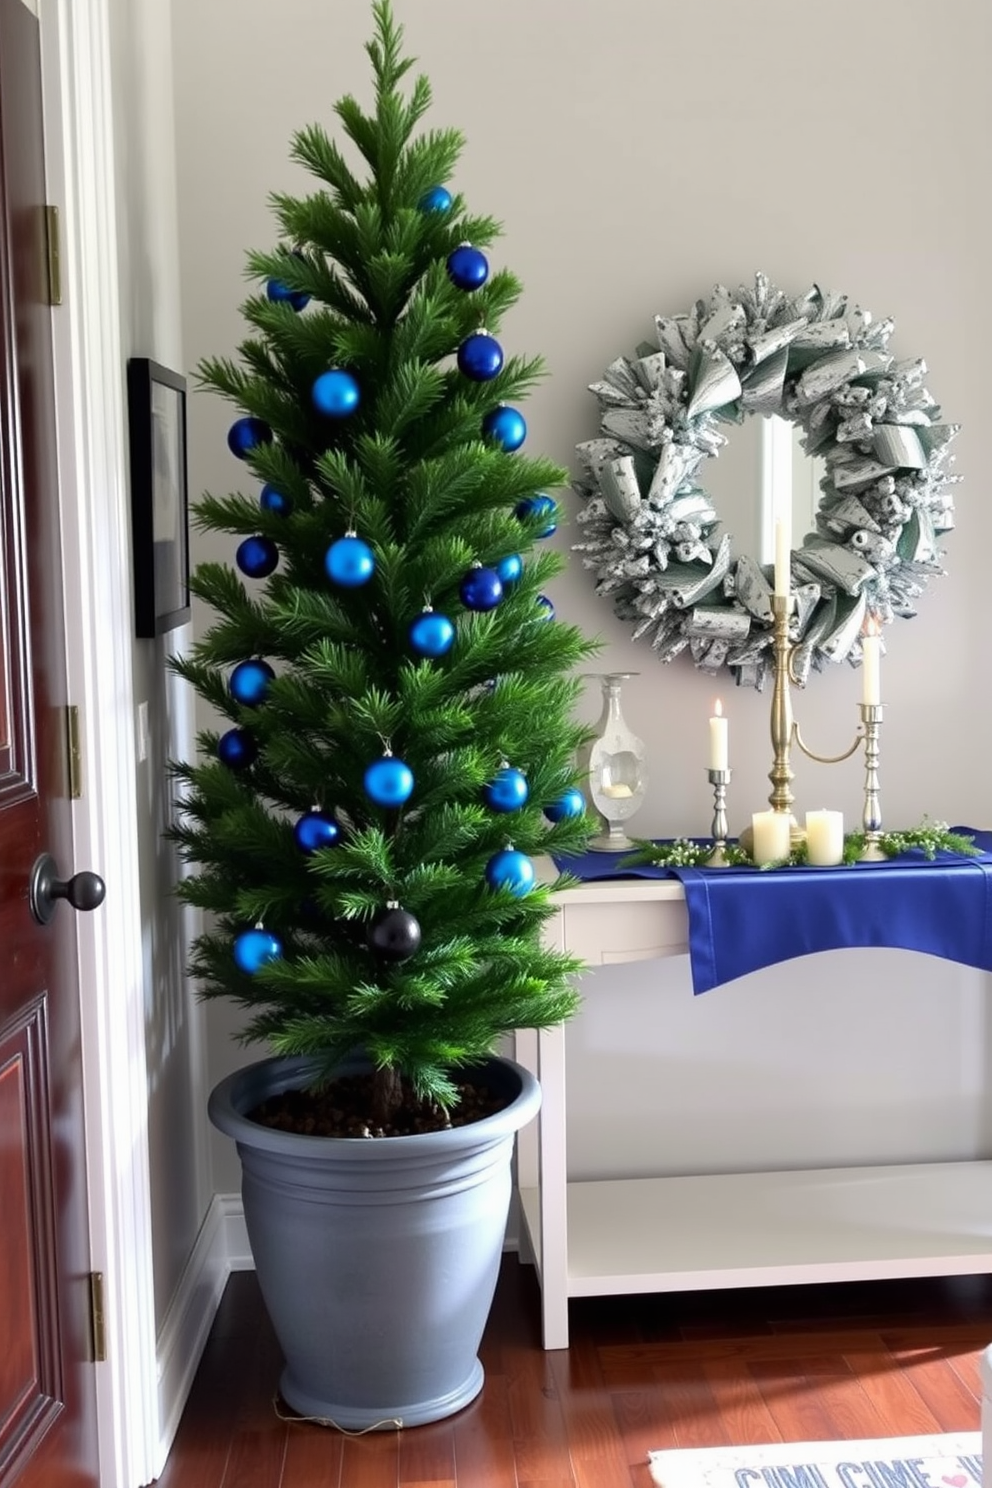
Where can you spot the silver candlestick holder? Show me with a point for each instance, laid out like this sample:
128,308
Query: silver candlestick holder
871,817
719,780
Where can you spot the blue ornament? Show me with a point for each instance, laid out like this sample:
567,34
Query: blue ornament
257,557
480,357
274,501
481,589
388,781
546,608
538,506
431,634
568,805
316,830
511,870
349,562
510,568
505,427
246,434
507,791
280,293
335,394
253,948
468,269
237,749
250,682
435,199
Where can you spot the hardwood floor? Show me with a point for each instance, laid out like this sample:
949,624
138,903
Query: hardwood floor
689,1369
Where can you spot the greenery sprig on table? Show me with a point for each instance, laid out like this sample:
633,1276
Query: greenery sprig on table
929,838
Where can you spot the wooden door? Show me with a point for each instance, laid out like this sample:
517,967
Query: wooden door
47,1384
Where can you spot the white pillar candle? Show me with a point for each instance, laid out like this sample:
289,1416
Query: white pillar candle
783,555
825,838
772,836
719,740
871,657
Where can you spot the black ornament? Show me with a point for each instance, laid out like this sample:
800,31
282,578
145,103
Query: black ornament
394,934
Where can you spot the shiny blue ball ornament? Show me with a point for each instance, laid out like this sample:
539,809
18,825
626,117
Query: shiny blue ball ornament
274,501
237,749
481,589
507,791
546,610
280,293
246,434
505,427
468,269
511,870
316,830
435,199
568,805
388,781
254,948
349,562
510,568
431,634
480,357
250,682
538,506
335,394
257,557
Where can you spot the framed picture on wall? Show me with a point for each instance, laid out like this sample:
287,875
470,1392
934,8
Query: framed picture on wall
159,498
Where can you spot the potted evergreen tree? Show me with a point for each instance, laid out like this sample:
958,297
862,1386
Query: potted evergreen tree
399,746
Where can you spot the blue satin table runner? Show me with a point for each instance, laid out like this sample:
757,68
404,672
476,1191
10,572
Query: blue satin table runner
742,919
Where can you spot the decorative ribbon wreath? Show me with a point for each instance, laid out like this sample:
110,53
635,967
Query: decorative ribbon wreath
650,526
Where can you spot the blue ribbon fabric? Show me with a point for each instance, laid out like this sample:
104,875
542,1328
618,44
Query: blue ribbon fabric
742,919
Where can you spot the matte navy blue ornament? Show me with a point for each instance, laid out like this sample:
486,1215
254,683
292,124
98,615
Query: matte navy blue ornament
510,568
481,589
336,394
505,427
538,506
257,557
431,634
237,749
250,682
315,830
546,610
507,791
349,562
388,781
468,269
246,434
511,870
253,949
274,501
435,199
480,357
568,805
394,933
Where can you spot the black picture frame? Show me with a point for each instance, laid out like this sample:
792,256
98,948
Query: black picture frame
159,496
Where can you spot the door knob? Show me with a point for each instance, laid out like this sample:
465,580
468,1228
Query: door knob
82,891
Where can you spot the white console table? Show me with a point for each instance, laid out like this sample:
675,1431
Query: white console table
610,1237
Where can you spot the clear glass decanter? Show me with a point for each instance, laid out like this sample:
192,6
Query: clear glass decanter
614,766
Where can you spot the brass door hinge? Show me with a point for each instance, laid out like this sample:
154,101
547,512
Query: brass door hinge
74,754
53,252
98,1322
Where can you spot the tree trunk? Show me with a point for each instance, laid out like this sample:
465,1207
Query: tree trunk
387,1093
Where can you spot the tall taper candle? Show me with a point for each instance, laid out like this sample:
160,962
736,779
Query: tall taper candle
719,742
783,554
871,682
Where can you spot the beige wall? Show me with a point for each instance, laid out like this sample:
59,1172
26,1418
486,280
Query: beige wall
638,153
151,327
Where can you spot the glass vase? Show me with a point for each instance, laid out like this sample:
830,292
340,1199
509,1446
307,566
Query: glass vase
614,767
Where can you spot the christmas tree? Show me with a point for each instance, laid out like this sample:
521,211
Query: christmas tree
399,694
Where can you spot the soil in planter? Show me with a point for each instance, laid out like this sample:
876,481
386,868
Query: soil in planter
341,1109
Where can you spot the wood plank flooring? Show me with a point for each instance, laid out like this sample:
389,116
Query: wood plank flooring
691,1369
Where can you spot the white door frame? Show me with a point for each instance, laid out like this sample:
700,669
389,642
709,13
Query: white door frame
90,379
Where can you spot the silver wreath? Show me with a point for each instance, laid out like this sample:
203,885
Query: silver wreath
652,533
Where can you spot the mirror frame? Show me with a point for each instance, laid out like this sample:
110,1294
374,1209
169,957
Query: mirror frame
653,536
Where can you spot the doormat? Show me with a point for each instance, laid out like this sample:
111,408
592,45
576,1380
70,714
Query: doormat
887,1462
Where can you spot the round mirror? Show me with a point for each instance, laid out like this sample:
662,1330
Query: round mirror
756,408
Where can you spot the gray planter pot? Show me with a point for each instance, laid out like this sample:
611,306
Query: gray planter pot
377,1259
